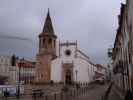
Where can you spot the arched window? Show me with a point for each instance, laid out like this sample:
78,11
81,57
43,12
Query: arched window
41,75
54,43
50,41
43,41
39,43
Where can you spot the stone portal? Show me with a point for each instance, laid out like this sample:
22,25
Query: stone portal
67,73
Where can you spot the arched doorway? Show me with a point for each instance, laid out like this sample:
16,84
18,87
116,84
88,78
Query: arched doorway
68,77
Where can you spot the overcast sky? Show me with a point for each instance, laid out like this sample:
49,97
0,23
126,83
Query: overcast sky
92,22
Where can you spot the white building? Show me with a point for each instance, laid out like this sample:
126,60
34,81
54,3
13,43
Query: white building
13,75
5,63
100,71
71,65
7,70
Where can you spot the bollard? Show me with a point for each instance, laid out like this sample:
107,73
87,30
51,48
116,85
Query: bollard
6,94
34,97
61,96
83,90
102,98
73,93
46,97
55,96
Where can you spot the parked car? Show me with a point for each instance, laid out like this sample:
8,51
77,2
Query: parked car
100,80
11,90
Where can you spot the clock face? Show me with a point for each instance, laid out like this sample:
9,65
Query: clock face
68,52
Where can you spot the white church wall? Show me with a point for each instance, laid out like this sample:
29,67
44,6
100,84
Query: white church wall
82,74
90,67
85,72
81,55
56,70
57,48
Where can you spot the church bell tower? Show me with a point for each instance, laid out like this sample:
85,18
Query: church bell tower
47,51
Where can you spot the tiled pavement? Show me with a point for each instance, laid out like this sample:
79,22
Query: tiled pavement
115,94
99,91
94,93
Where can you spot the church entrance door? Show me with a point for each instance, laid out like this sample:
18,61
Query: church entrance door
68,77
67,73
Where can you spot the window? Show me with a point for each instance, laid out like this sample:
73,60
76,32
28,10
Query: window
43,41
54,43
50,41
41,75
40,43
68,52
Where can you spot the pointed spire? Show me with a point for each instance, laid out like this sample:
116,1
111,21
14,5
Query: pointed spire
48,27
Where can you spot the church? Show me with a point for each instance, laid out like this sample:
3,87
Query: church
61,61
72,65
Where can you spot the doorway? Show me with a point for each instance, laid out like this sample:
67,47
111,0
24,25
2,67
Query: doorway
68,77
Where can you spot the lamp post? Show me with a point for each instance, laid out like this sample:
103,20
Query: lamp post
18,85
110,64
76,71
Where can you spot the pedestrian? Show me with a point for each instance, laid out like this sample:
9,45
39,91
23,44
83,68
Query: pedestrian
129,95
77,86
6,94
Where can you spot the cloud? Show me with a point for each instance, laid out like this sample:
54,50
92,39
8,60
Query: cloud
91,22
3,36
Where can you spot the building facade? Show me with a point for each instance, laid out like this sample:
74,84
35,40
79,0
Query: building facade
26,71
71,65
100,71
130,31
8,68
123,48
5,63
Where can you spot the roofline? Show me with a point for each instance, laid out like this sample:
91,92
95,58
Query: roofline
67,43
83,54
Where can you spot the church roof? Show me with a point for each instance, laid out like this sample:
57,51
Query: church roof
48,27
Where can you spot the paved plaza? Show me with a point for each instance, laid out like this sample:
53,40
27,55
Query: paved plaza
94,92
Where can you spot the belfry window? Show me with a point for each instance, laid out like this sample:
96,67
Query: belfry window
50,41
39,43
54,43
41,75
43,41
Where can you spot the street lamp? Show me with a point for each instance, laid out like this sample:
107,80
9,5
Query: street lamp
18,85
76,71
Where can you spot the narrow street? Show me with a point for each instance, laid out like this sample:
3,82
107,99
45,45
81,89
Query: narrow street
99,91
94,93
